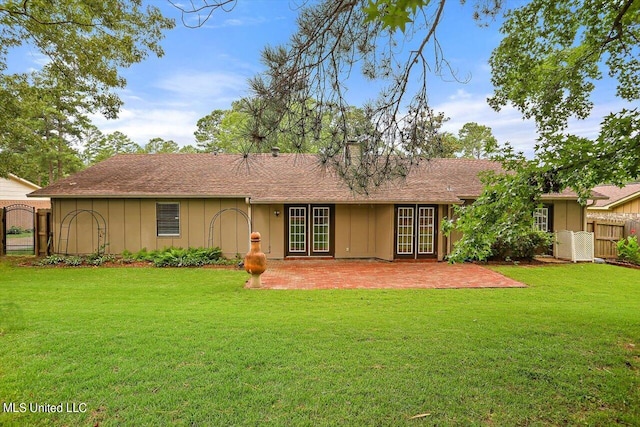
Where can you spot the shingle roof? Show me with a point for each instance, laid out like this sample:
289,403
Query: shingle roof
616,194
288,178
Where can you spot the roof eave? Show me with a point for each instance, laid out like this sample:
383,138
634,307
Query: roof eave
624,200
144,196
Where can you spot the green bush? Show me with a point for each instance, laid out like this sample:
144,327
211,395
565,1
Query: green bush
73,261
14,229
179,257
168,257
629,250
524,247
52,260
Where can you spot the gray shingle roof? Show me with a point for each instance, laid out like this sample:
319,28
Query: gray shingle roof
288,178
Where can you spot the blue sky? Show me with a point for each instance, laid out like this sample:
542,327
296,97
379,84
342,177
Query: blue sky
207,68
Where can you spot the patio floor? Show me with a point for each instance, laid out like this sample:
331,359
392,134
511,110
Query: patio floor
373,274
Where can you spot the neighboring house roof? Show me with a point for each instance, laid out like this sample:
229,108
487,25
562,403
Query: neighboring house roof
617,196
287,178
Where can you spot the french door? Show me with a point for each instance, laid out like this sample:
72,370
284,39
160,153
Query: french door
309,230
416,228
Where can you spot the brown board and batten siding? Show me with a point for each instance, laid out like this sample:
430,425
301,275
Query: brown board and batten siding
568,215
131,225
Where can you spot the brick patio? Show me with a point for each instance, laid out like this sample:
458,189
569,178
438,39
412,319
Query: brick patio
370,274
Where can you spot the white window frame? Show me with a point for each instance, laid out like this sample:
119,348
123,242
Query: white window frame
298,229
405,229
159,232
541,219
321,229
426,230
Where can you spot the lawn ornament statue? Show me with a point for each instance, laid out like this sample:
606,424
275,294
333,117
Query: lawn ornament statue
255,262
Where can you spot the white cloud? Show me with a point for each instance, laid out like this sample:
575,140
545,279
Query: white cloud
508,124
203,86
143,124
243,21
174,108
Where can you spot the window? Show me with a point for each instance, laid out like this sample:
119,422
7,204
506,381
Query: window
541,219
168,219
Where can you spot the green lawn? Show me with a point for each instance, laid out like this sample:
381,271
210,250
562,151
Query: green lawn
19,236
193,347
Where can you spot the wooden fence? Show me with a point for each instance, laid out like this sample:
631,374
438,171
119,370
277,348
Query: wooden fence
607,233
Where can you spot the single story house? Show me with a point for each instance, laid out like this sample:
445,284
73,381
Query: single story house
622,202
301,208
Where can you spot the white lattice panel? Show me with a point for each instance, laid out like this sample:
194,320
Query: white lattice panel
583,246
574,246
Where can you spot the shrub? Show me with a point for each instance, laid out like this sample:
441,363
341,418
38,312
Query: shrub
127,257
168,257
179,257
14,229
52,260
73,261
525,246
629,250
99,259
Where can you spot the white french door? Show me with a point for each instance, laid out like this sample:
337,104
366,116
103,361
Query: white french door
298,230
309,230
415,231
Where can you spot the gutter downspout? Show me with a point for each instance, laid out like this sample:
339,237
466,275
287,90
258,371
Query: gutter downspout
247,200
585,214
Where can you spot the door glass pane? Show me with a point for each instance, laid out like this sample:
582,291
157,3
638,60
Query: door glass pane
426,230
404,245
298,229
541,219
320,229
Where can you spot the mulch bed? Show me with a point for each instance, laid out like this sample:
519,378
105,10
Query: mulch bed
622,264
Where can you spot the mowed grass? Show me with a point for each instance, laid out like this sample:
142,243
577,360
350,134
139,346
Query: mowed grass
144,346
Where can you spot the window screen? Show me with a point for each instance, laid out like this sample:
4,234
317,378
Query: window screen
168,219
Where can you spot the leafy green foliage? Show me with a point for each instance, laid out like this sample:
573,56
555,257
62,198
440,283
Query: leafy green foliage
52,260
548,64
237,130
476,141
499,223
168,257
393,14
87,42
159,145
99,147
521,247
14,229
179,257
629,250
